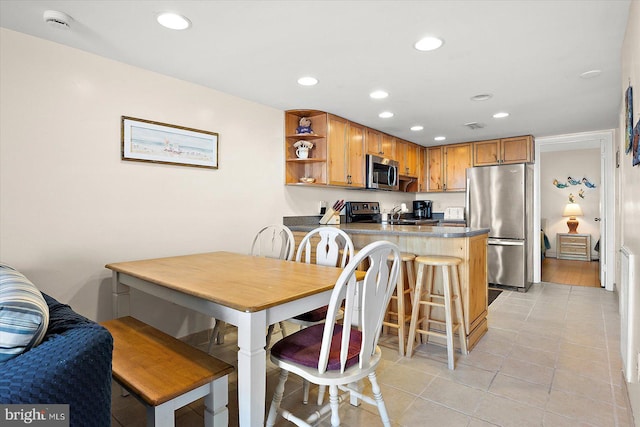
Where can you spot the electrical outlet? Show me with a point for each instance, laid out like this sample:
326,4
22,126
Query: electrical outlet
322,207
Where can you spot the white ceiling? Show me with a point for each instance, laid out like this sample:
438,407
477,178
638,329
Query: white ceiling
528,54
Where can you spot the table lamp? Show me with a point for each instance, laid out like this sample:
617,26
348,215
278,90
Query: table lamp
572,210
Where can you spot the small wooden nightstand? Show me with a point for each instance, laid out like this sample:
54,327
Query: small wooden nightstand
573,246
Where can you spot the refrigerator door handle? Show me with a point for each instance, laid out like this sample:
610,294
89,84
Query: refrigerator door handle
506,242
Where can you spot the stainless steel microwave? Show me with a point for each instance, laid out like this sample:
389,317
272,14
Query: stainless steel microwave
382,174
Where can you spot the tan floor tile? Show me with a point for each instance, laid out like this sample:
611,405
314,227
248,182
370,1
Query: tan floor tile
519,390
527,371
470,376
555,420
424,412
581,408
482,360
508,413
538,355
584,386
587,368
453,395
405,378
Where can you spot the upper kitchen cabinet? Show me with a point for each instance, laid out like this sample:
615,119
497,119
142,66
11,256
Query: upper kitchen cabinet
457,158
517,149
312,169
345,142
407,157
446,167
380,144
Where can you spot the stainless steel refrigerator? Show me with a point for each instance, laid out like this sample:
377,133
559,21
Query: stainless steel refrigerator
500,198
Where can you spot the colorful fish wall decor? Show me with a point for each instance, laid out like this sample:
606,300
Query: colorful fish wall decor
574,181
587,183
559,184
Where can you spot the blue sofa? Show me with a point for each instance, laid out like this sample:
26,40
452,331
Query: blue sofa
71,366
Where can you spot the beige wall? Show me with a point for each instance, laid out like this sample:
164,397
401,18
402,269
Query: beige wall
69,205
560,165
628,203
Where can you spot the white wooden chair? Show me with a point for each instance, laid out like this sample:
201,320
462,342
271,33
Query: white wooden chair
272,241
324,246
321,353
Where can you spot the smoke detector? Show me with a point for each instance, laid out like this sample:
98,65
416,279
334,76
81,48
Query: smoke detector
474,125
59,20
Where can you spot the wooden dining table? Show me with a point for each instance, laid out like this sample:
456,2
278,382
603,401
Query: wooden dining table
246,291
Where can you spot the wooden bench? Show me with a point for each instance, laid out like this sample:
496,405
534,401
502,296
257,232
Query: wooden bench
165,373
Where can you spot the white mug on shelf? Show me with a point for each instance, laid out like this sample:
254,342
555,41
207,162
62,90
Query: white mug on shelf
302,152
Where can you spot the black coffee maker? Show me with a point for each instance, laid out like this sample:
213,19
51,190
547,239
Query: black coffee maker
422,209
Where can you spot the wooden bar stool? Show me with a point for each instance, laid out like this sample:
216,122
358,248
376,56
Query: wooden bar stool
427,298
398,319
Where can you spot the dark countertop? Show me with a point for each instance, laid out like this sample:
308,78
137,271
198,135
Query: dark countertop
297,224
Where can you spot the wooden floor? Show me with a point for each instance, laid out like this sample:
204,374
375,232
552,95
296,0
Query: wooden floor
569,272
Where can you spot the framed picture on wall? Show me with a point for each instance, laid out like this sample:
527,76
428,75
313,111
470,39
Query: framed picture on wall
636,145
155,142
628,120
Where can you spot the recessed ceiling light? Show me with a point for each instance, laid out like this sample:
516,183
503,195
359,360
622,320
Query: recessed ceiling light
590,74
417,128
428,43
173,21
481,97
307,81
385,114
500,115
439,138
378,94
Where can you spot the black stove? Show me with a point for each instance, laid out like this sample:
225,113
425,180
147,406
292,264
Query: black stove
362,211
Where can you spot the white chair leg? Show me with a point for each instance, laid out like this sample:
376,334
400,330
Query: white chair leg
277,399
377,394
321,390
334,402
305,392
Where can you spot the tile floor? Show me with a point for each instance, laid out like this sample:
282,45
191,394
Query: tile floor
550,358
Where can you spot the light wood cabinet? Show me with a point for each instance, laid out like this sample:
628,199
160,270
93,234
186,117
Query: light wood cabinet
380,144
434,174
573,246
345,142
447,166
315,166
423,170
457,158
407,157
517,149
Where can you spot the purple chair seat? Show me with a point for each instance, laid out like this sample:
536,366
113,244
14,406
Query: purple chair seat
313,316
303,347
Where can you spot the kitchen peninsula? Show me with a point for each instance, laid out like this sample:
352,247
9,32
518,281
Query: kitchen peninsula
468,244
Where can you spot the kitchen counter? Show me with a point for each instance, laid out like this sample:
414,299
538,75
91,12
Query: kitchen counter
468,244
398,230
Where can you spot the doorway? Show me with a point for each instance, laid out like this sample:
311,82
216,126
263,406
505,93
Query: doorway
583,141
570,179
571,272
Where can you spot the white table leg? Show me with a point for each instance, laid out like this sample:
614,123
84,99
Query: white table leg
252,368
